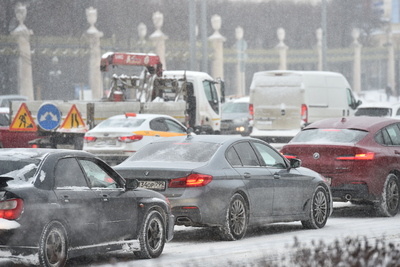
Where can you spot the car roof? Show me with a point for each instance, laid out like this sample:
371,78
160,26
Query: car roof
141,116
365,123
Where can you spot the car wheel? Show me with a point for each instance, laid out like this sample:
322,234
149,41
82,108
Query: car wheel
236,219
389,201
53,245
151,236
319,209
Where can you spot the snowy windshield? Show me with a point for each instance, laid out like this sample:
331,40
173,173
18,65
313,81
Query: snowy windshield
121,123
324,136
176,152
22,171
375,112
231,107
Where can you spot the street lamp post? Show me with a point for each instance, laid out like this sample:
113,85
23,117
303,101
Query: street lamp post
324,42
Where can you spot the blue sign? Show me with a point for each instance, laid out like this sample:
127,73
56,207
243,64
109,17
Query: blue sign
48,117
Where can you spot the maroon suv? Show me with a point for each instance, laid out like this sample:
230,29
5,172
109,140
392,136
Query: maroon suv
360,156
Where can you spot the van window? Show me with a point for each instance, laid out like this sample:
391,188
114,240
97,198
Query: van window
212,95
351,100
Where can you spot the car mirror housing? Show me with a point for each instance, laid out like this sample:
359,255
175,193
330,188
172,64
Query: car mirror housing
131,184
295,163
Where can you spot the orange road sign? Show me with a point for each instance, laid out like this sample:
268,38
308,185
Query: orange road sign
73,121
23,120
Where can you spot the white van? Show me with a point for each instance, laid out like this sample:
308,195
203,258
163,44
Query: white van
283,102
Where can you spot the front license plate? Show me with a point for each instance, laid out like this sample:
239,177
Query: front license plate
153,185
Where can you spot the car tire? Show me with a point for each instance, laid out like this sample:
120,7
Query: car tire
319,209
236,219
389,202
152,236
53,245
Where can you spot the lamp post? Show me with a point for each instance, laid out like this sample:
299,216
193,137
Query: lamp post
324,42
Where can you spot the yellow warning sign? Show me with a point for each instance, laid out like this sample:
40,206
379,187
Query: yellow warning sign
23,120
73,122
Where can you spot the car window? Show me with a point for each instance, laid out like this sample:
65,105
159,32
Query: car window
231,107
246,154
374,112
233,158
393,132
322,136
174,127
270,156
96,175
4,120
130,122
158,124
68,173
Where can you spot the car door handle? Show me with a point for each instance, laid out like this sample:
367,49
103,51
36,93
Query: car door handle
397,152
247,175
105,198
277,176
66,199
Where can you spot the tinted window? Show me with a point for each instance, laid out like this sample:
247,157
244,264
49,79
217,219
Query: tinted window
69,173
389,136
176,151
158,125
270,156
324,136
174,127
233,158
96,175
374,112
246,154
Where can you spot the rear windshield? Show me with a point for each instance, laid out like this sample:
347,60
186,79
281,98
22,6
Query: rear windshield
374,112
121,123
22,171
176,152
324,136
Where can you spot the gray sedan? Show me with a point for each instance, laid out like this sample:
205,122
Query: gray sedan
230,182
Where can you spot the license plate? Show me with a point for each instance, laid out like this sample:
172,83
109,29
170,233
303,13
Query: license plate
109,142
153,185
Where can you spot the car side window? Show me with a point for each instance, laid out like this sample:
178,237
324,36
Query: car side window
158,124
174,127
270,156
96,175
68,173
394,134
233,158
246,154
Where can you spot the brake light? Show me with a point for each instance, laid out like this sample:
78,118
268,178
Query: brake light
251,111
304,114
89,139
130,139
193,180
361,156
290,156
11,209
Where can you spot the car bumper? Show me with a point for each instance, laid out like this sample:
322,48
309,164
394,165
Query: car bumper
350,192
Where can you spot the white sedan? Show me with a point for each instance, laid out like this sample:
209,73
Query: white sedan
120,136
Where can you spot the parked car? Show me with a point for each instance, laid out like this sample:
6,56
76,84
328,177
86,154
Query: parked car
6,99
229,182
379,109
13,139
235,117
66,203
359,155
120,136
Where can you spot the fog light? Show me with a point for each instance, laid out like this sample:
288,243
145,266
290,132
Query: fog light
240,129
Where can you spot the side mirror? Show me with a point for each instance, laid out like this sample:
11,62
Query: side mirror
131,184
295,163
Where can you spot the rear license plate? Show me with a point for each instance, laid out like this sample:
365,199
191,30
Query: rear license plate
153,185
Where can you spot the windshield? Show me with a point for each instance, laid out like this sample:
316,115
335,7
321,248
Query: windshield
231,107
375,112
324,136
121,123
176,152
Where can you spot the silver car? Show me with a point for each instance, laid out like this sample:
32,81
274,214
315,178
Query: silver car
230,182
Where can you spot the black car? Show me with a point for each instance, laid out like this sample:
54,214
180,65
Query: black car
230,182
66,203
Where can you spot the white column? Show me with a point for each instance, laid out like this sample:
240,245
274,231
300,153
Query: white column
282,49
391,63
22,35
217,43
94,35
357,61
241,47
319,48
158,37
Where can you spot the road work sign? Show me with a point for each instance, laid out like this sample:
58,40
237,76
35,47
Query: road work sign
23,120
73,122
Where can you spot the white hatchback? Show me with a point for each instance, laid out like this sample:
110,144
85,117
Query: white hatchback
118,137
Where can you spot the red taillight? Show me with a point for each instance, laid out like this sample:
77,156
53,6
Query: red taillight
130,139
89,139
290,156
251,111
34,146
11,209
193,180
361,156
304,114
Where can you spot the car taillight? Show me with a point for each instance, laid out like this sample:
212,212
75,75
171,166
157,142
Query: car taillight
290,156
304,114
193,180
251,111
11,209
89,139
360,156
130,139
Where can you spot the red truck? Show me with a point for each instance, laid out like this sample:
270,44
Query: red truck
9,138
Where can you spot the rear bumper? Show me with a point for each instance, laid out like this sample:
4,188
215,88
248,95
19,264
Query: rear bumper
349,192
